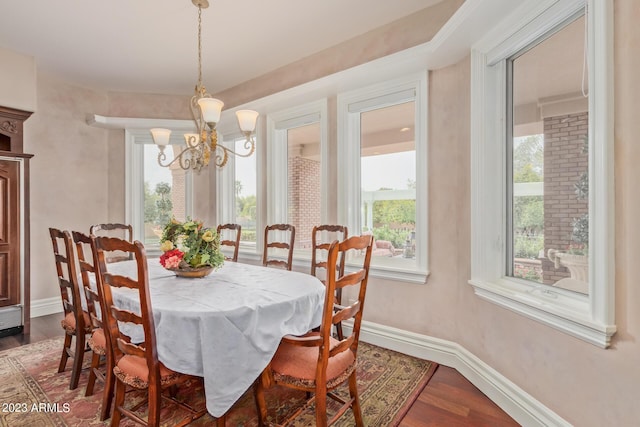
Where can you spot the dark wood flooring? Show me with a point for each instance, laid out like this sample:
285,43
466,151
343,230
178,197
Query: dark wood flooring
448,400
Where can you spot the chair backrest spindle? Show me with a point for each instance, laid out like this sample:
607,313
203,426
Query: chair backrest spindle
121,231
225,229
270,242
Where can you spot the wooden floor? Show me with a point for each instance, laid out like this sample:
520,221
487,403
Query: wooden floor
448,400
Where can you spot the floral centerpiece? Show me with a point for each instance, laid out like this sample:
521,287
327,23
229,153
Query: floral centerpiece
189,249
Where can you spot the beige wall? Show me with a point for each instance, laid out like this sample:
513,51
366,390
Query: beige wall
17,80
409,31
77,172
78,178
69,171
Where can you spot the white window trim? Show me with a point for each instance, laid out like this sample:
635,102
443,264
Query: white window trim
225,185
277,179
591,317
135,139
350,105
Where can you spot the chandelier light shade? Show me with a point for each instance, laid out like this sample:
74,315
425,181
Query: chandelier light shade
206,112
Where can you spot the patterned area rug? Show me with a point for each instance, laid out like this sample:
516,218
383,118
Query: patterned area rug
32,393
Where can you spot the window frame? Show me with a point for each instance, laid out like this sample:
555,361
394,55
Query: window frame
225,191
135,140
588,317
350,105
278,124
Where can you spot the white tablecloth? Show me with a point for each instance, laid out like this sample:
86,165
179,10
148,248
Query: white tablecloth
225,327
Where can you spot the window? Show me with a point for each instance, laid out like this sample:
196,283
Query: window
155,193
297,174
548,162
537,196
238,195
304,202
382,174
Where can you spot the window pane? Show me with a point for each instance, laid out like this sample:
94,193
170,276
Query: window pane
550,209
303,187
164,193
388,182
245,193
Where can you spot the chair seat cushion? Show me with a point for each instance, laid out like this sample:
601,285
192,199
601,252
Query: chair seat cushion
98,342
69,323
133,371
297,365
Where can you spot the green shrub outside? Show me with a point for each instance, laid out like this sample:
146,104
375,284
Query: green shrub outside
248,235
528,246
396,237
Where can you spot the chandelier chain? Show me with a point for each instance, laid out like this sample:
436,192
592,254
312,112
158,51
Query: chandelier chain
199,47
203,147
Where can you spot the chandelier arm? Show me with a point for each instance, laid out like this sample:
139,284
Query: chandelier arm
221,159
249,144
162,157
193,161
187,162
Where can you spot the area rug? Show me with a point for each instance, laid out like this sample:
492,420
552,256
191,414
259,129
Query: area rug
33,393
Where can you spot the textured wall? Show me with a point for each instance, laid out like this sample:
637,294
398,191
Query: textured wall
69,172
586,385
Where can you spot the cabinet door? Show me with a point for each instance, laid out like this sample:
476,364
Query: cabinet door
9,234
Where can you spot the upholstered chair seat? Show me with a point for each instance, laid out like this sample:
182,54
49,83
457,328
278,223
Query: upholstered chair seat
297,365
98,342
69,323
133,371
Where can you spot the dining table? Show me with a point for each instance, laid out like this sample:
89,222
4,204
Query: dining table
224,327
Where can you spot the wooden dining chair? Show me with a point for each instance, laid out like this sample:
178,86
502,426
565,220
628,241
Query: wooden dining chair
99,342
321,237
317,362
272,241
136,365
122,231
76,322
234,243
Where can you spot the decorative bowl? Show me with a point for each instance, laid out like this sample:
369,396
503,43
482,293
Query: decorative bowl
191,273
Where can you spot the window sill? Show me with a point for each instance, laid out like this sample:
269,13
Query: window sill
396,274
557,308
408,276
386,273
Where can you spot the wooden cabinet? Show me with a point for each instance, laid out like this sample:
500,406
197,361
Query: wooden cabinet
14,223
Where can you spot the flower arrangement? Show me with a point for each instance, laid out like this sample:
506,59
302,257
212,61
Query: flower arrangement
189,245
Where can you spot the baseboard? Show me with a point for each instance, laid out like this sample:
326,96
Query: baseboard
520,405
45,306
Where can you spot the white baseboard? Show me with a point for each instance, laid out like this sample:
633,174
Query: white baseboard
45,306
520,405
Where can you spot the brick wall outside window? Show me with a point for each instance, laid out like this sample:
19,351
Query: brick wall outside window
304,198
565,160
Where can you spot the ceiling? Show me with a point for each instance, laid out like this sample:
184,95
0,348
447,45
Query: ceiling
150,46
553,67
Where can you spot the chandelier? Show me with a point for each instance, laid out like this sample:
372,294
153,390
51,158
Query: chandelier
201,146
